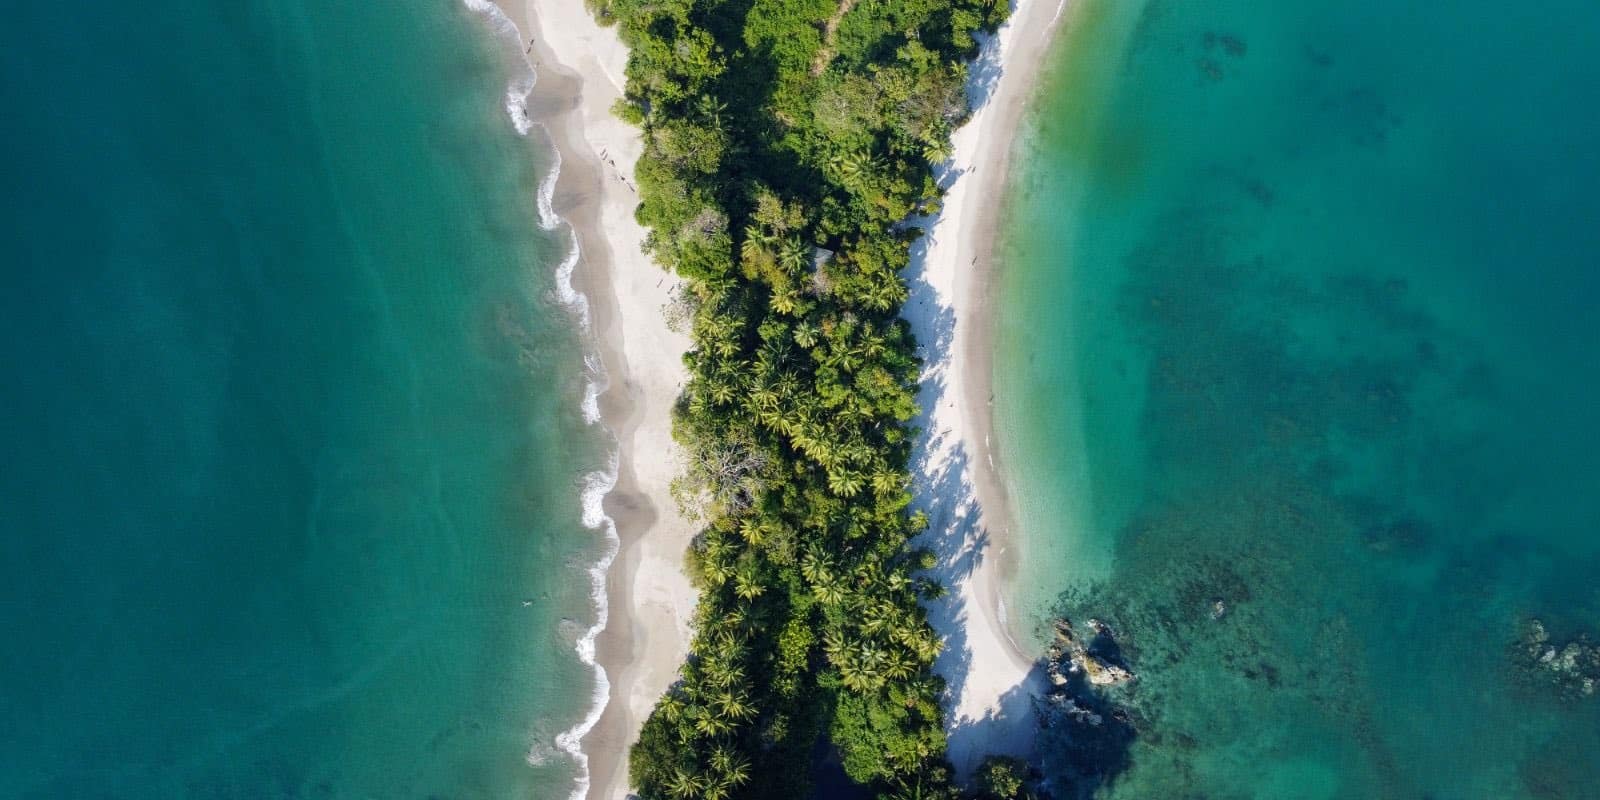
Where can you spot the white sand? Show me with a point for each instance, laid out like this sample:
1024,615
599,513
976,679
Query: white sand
650,599
990,679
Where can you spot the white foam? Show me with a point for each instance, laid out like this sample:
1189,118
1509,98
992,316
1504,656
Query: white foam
521,85
596,485
548,219
570,297
593,388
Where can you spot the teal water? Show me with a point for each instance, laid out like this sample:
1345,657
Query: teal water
1299,316
290,412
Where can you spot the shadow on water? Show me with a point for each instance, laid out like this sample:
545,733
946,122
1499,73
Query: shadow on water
1085,742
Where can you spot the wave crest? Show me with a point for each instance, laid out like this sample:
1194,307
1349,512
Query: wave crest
594,485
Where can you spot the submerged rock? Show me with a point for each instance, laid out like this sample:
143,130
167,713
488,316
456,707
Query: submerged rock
1070,654
1574,667
1084,736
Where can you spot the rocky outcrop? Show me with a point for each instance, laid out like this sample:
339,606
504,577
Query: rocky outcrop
1085,735
1573,666
1071,654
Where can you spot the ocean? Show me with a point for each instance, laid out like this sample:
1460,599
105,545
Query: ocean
300,495
1295,382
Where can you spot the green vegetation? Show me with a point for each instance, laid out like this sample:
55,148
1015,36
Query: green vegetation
1003,778
785,143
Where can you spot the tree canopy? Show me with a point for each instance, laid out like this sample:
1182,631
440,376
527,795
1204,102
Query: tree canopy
785,142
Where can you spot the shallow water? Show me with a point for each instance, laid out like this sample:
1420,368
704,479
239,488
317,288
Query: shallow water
1298,316
291,411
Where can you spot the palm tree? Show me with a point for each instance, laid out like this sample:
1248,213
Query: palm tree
733,705
684,783
853,168
755,243
671,707
773,419
715,565
897,580
727,645
793,256
878,618
753,531
751,250
709,724
747,584
862,672
887,294
765,398
722,390
888,481
805,334
817,449
720,672
845,482
711,108
847,358
926,645
699,403
856,451
735,769
814,564
827,590
899,666
834,643
775,353
786,302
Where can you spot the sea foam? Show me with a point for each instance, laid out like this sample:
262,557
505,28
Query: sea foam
595,485
521,86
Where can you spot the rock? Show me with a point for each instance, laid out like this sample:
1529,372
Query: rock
1099,671
1534,635
1218,609
1071,710
1573,667
1103,674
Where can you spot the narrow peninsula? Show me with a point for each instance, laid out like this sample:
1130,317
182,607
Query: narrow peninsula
790,165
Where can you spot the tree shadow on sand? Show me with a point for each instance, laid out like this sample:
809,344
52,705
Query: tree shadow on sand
942,485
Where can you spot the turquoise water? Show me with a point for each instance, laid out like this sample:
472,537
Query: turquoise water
1299,317
290,411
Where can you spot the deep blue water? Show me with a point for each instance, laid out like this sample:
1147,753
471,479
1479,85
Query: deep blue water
1300,318
285,512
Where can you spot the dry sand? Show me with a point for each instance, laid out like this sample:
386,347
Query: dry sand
991,680
580,67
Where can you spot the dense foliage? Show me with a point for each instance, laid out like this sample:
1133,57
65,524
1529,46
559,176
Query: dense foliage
786,141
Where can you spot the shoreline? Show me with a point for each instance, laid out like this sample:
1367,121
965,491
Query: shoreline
956,475
643,628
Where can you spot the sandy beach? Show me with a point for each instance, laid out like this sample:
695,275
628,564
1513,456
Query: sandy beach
650,601
580,68
990,678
